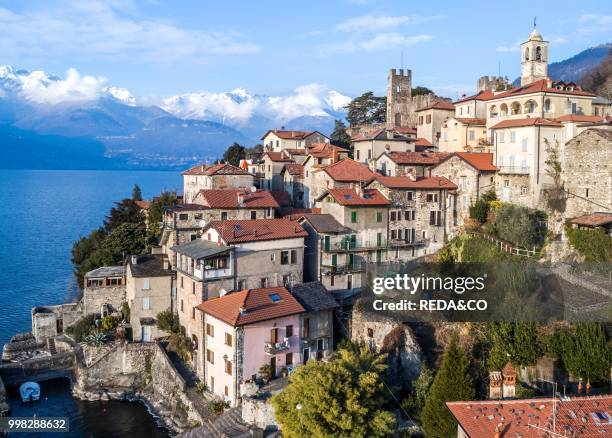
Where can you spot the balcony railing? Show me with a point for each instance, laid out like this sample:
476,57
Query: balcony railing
344,268
397,243
277,347
355,245
514,170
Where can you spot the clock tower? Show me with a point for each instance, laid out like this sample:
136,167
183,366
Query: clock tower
534,58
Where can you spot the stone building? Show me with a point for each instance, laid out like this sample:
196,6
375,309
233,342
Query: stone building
492,83
274,162
430,119
463,134
399,95
51,321
277,140
419,216
587,170
293,180
149,291
474,175
317,321
103,288
215,176
342,174
244,330
407,163
365,212
369,145
319,155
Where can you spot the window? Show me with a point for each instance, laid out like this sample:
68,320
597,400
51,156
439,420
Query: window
145,303
428,119
112,282
284,257
393,216
193,313
432,197
228,367
420,120
198,216
353,216
370,333
146,284
289,331
182,281
210,356
226,391
193,237
524,144
379,216
264,282
224,215
253,215
306,330
409,196
435,218
272,257
523,190
287,280
289,359
193,287
210,330
182,307
293,256
228,339
393,234
586,193
512,136
506,183
501,136
574,108
356,156
242,284
95,283
183,216
471,135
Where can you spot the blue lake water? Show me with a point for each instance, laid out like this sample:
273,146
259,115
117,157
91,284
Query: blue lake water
43,213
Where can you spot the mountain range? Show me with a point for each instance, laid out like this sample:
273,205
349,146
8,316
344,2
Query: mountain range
82,122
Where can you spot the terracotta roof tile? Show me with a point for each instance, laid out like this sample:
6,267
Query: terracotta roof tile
390,135
472,121
143,204
424,183
593,220
294,169
439,104
326,150
290,135
534,121
214,169
228,198
423,142
579,118
348,170
252,305
481,95
540,86
295,151
242,231
351,197
426,158
576,417
478,160
278,157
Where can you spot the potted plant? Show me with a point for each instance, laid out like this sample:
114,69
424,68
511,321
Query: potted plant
265,372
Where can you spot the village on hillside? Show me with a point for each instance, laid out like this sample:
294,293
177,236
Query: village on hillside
252,282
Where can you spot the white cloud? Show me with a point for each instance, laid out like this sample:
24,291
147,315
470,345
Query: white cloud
238,106
38,87
591,23
559,40
97,29
369,23
380,41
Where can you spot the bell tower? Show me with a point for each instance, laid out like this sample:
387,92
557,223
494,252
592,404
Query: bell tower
399,94
534,58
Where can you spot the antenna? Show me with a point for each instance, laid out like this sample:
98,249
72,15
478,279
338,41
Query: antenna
534,21
402,60
499,69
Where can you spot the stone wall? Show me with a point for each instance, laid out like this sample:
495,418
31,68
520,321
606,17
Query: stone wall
95,297
4,406
259,413
38,368
47,319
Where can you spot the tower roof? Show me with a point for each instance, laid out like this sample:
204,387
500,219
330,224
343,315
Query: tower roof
535,35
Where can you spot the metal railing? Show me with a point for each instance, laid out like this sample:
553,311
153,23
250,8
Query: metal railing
277,347
344,268
516,170
355,245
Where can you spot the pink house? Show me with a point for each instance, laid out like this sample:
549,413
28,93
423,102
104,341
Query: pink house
244,330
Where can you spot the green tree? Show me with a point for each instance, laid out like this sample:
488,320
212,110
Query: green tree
168,321
340,137
136,193
344,397
452,382
234,154
420,388
125,211
366,109
127,238
585,351
418,91
516,342
157,208
520,225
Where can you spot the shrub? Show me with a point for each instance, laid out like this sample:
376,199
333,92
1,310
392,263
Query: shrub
181,345
82,327
520,225
201,387
595,245
217,406
125,309
265,371
108,323
168,321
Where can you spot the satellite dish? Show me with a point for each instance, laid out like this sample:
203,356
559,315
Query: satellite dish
253,189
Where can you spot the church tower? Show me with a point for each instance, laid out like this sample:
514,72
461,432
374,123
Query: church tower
534,58
399,94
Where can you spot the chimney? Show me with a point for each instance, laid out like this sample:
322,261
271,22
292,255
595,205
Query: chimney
359,190
166,263
202,168
580,386
588,387
410,174
134,259
240,195
243,310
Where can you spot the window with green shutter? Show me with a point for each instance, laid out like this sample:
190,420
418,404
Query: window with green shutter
353,216
379,216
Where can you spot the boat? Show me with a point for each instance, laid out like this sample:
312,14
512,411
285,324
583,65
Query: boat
29,391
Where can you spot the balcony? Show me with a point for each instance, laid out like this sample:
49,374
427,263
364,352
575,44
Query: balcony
343,269
514,170
355,245
399,243
273,348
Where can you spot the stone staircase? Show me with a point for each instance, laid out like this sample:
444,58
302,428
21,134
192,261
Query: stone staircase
51,346
227,425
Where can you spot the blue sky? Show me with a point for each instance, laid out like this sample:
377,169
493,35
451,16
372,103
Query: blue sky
159,48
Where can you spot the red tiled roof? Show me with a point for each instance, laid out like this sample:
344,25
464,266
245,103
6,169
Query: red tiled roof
482,161
228,198
535,121
593,220
471,121
325,150
539,86
579,118
439,104
425,183
351,197
406,130
396,135
241,231
430,158
252,305
215,169
289,135
294,169
575,417
423,142
295,151
144,205
278,157
348,170
481,95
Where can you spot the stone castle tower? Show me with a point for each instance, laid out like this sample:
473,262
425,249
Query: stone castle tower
534,58
399,97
